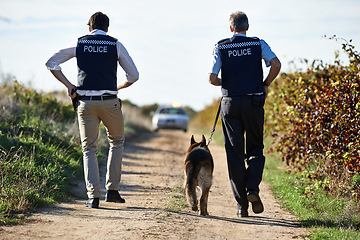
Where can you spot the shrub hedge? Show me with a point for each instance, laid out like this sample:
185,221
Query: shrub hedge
315,118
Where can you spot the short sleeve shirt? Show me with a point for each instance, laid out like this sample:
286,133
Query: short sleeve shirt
266,53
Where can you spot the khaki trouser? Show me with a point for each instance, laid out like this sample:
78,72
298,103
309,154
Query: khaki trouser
90,114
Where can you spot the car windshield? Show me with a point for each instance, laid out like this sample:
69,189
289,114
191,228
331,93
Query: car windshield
172,111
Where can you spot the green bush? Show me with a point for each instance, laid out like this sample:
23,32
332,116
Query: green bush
40,105
316,117
36,156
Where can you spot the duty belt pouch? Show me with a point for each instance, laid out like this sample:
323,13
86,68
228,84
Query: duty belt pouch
75,100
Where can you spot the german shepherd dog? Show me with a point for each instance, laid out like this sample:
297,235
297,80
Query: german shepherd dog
198,171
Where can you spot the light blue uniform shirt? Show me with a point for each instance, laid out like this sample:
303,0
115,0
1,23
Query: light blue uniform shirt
266,53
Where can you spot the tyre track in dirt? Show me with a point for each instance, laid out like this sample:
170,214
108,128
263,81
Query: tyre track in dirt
152,169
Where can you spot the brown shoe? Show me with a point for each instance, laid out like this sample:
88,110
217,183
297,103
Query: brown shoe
113,196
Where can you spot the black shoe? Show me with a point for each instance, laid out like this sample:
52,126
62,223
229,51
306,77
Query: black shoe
242,213
256,203
113,196
92,203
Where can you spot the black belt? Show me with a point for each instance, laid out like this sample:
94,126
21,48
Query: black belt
97,97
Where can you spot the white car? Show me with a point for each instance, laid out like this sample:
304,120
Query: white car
170,117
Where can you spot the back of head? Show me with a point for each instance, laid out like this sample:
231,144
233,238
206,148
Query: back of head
99,21
239,22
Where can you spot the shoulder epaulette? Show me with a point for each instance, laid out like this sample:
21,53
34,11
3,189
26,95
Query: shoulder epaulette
82,37
223,41
255,38
115,39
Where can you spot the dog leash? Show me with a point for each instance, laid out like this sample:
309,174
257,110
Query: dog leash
216,119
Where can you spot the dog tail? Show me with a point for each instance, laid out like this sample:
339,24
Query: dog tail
190,187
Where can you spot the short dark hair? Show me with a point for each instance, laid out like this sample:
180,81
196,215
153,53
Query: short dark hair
239,21
99,21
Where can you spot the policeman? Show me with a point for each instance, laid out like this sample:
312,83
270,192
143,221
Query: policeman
97,57
242,108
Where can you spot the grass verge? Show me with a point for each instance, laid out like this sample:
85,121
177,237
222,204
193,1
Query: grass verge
40,150
326,216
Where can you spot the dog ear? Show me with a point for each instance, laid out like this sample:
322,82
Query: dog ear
192,140
203,141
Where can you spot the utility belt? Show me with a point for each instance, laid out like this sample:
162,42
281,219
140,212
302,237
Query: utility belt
97,98
250,94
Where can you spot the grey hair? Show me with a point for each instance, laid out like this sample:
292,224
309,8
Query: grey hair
239,21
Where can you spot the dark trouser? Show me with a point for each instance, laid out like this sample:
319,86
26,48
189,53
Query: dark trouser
244,115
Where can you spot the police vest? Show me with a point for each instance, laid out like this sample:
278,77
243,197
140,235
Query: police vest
97,62
241,70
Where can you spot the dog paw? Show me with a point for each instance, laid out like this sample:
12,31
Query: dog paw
194,207
203,213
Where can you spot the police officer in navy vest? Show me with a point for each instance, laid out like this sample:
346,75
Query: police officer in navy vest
242,107
98,56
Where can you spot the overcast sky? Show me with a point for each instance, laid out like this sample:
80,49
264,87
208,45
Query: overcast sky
170,41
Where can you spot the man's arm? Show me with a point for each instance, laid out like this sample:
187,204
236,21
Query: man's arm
58,74
275,66
124,84
214,79
126,62
53,64
215,67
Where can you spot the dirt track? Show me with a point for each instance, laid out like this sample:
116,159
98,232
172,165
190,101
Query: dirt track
152,169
